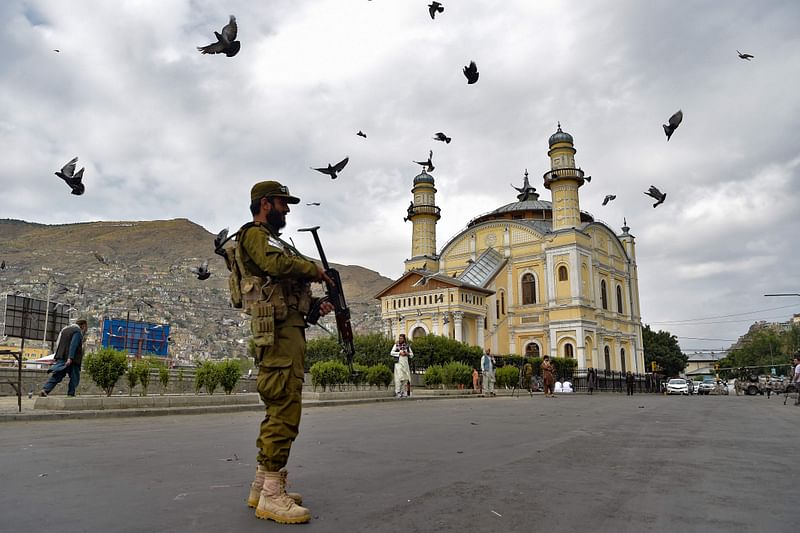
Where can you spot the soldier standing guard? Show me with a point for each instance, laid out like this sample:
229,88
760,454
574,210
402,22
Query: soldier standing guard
275,291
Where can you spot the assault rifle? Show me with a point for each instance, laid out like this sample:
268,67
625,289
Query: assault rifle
335,295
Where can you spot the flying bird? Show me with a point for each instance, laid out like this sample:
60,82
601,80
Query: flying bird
428,163
100,258
608,198
435,7
423,280
442,137
201,271
313,203
73,179
3,265
471,72
361,134
653,192
745,56
332,170
674,122
226,41
56,50
220,238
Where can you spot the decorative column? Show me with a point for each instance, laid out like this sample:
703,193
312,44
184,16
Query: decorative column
435,322
458,317
479,325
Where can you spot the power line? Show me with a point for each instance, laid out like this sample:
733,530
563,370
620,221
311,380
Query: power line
725,316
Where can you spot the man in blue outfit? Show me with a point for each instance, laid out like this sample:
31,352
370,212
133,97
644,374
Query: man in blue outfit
68,357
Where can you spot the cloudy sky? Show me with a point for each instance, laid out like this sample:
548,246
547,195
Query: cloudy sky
165,132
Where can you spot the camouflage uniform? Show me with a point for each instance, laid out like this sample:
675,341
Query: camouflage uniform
280,373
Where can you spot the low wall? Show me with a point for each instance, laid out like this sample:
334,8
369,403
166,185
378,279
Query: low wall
34,379
99,403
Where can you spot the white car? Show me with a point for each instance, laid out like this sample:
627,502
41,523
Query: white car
677,386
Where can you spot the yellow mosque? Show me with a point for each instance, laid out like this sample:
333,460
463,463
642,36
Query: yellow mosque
530,278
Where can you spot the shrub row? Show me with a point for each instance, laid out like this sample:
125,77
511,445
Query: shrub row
332,374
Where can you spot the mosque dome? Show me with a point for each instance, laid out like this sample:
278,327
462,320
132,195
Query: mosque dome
423,177
560,137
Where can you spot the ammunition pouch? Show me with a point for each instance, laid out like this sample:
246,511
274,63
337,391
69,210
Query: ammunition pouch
297,295
262,324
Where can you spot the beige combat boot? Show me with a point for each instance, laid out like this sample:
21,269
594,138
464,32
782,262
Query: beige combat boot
275,504
258,484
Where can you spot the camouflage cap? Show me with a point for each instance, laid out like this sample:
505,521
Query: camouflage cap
272,189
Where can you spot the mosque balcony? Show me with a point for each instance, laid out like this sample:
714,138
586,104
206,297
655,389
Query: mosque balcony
561,173
422,209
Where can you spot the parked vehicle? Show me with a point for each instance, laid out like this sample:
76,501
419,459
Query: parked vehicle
758,385
707,385
677,386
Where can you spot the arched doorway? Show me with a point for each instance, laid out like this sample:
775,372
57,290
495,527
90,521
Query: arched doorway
417,332
607,354
622,358
532,350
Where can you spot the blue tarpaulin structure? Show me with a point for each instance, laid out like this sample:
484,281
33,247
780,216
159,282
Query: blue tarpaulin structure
135,337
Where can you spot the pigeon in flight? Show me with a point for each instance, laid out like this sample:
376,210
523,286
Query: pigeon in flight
361,134
313,203
674,122
442,137
220,238
745,56
653,192
201,271
428,163
471,72
73,179
332,170
226,41
56,50
3,265
100,258
435,7
608,198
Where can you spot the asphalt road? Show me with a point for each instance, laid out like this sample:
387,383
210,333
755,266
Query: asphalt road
604,463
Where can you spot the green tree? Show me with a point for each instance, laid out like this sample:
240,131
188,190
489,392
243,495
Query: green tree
163,377
322,349
132,377
141,367
105,367
229,373
208,376
373,349
662,347
763,349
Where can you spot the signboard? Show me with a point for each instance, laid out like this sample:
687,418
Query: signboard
28,318
135,337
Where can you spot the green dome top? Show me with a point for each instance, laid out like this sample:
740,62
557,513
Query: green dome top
560,137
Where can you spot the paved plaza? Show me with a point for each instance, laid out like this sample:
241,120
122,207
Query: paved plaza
606,463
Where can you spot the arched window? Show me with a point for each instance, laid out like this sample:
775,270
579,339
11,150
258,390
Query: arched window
528,289
619,300
531,350
497,308
418,332
607,353
568,351
622,359
563,275
502,303
603,294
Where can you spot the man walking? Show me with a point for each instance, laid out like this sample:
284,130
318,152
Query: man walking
68,357
275,289
796,377
487,367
